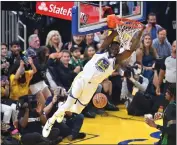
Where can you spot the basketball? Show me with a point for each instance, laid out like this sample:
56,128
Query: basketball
99,100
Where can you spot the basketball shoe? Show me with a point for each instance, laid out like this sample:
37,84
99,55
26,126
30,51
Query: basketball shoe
59,115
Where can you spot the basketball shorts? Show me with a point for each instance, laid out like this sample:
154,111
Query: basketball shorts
82,90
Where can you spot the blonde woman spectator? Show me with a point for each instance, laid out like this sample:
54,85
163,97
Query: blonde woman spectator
54,41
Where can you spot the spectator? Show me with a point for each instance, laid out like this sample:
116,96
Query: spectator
167,71
54,41
88,54
34,44
76,40
38,86
152,27
4,60
64,72
14,55
5,109
89,40
75,60
8,107
31,119
19,83
133,78
72,124
107,90
146,56
168,129
161,44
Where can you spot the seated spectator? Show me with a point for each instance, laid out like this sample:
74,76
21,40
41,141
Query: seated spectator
19,82
89,40
133,80
4,60
152,27
161,44
31,118
107,90
76,40
34,44
54,41
38,85
8,107
75,60
146,55
72,123
62,72
88,54
5,109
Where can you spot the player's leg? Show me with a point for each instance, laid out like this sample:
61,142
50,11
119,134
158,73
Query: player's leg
75,93
84,99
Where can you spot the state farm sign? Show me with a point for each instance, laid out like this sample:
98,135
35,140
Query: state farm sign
63,10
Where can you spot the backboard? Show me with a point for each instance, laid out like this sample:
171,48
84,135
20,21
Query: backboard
90,17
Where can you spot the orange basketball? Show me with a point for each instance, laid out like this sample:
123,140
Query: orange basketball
100,100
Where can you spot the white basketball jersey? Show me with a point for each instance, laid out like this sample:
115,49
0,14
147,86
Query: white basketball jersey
98,68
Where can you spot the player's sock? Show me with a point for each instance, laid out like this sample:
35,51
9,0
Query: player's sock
59,114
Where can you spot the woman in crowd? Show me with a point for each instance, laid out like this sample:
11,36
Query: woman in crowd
169,118
146,55
37,84
88,54
54,41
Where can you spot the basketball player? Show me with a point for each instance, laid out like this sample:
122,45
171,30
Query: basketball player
95,71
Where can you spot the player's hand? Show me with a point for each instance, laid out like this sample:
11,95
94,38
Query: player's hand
158,116
77,69
30,60
68,113
150,122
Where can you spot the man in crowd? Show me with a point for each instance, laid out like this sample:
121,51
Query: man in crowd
152,27
161,44
34,43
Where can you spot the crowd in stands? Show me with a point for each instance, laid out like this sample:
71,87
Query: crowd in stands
35,82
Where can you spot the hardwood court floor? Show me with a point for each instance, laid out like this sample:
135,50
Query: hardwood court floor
113,130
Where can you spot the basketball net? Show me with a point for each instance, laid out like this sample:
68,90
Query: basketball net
125,35
126,29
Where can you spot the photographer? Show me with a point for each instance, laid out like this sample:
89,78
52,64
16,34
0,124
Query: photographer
135,91
72,123
133,81
31,118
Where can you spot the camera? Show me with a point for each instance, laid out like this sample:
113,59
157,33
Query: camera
128,70
28,101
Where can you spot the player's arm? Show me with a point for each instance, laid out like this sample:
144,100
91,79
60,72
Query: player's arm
108,40
135,41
